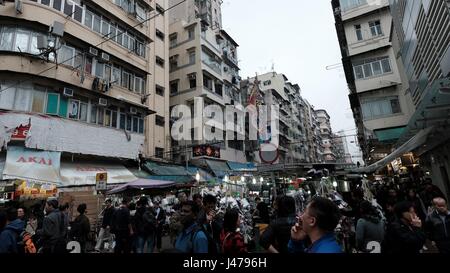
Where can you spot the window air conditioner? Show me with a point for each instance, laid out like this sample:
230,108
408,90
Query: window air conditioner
105,57
68,92
18,6
133,110
102,102
337,11
93,51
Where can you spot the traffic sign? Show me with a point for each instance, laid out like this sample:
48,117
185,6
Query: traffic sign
101,180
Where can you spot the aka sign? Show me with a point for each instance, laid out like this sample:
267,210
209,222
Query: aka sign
21,132
100,180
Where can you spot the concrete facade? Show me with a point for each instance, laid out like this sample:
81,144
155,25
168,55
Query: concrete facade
204,63
378,95
104,53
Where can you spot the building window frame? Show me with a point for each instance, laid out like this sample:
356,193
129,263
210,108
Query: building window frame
375,28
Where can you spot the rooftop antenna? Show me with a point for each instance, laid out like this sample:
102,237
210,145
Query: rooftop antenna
273,68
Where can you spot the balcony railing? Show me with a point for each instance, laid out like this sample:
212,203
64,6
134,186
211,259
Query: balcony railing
347,5
214,66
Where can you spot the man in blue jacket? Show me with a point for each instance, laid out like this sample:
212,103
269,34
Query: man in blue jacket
318,223
10,234
192,238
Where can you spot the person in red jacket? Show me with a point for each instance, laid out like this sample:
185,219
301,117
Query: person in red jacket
231,239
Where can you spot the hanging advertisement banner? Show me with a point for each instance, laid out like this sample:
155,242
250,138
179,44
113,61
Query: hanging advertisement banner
32,165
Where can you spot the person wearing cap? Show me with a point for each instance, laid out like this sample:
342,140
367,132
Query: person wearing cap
108,213
81,227
53,232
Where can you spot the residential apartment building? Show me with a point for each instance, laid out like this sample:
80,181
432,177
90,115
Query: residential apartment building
379,95
204,64
343,154
277,90
327,135
84,78
312,134
423,47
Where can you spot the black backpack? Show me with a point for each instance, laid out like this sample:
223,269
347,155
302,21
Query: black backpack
149,221
212,246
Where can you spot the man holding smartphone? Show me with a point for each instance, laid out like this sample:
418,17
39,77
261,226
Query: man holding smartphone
317,223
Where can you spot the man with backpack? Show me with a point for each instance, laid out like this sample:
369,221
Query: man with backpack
192,238
11,234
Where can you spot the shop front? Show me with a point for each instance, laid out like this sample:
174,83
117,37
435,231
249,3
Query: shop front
80,183
30,176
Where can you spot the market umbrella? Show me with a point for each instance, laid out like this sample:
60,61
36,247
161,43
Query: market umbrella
143,184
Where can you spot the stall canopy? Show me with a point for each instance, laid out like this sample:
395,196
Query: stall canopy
418,140
219,168
204,175
32,165
84,174
242,167
167,172
142,184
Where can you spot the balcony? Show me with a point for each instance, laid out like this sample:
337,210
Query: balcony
355,8
227,57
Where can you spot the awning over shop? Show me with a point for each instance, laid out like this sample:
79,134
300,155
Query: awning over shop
165,169
418,140
142,184
219,168
179,179
389,134
139,173
204,175
84,173
167,172
32,165
242,167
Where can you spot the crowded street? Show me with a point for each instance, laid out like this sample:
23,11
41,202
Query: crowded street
229,128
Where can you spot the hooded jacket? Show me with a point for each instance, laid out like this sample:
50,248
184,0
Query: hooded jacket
10,235
368,229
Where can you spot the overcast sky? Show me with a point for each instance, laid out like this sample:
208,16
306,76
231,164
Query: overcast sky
299,38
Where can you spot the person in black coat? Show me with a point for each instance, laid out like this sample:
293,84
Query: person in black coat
160,216
276,237
81,227
438,225
405,234
108,213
